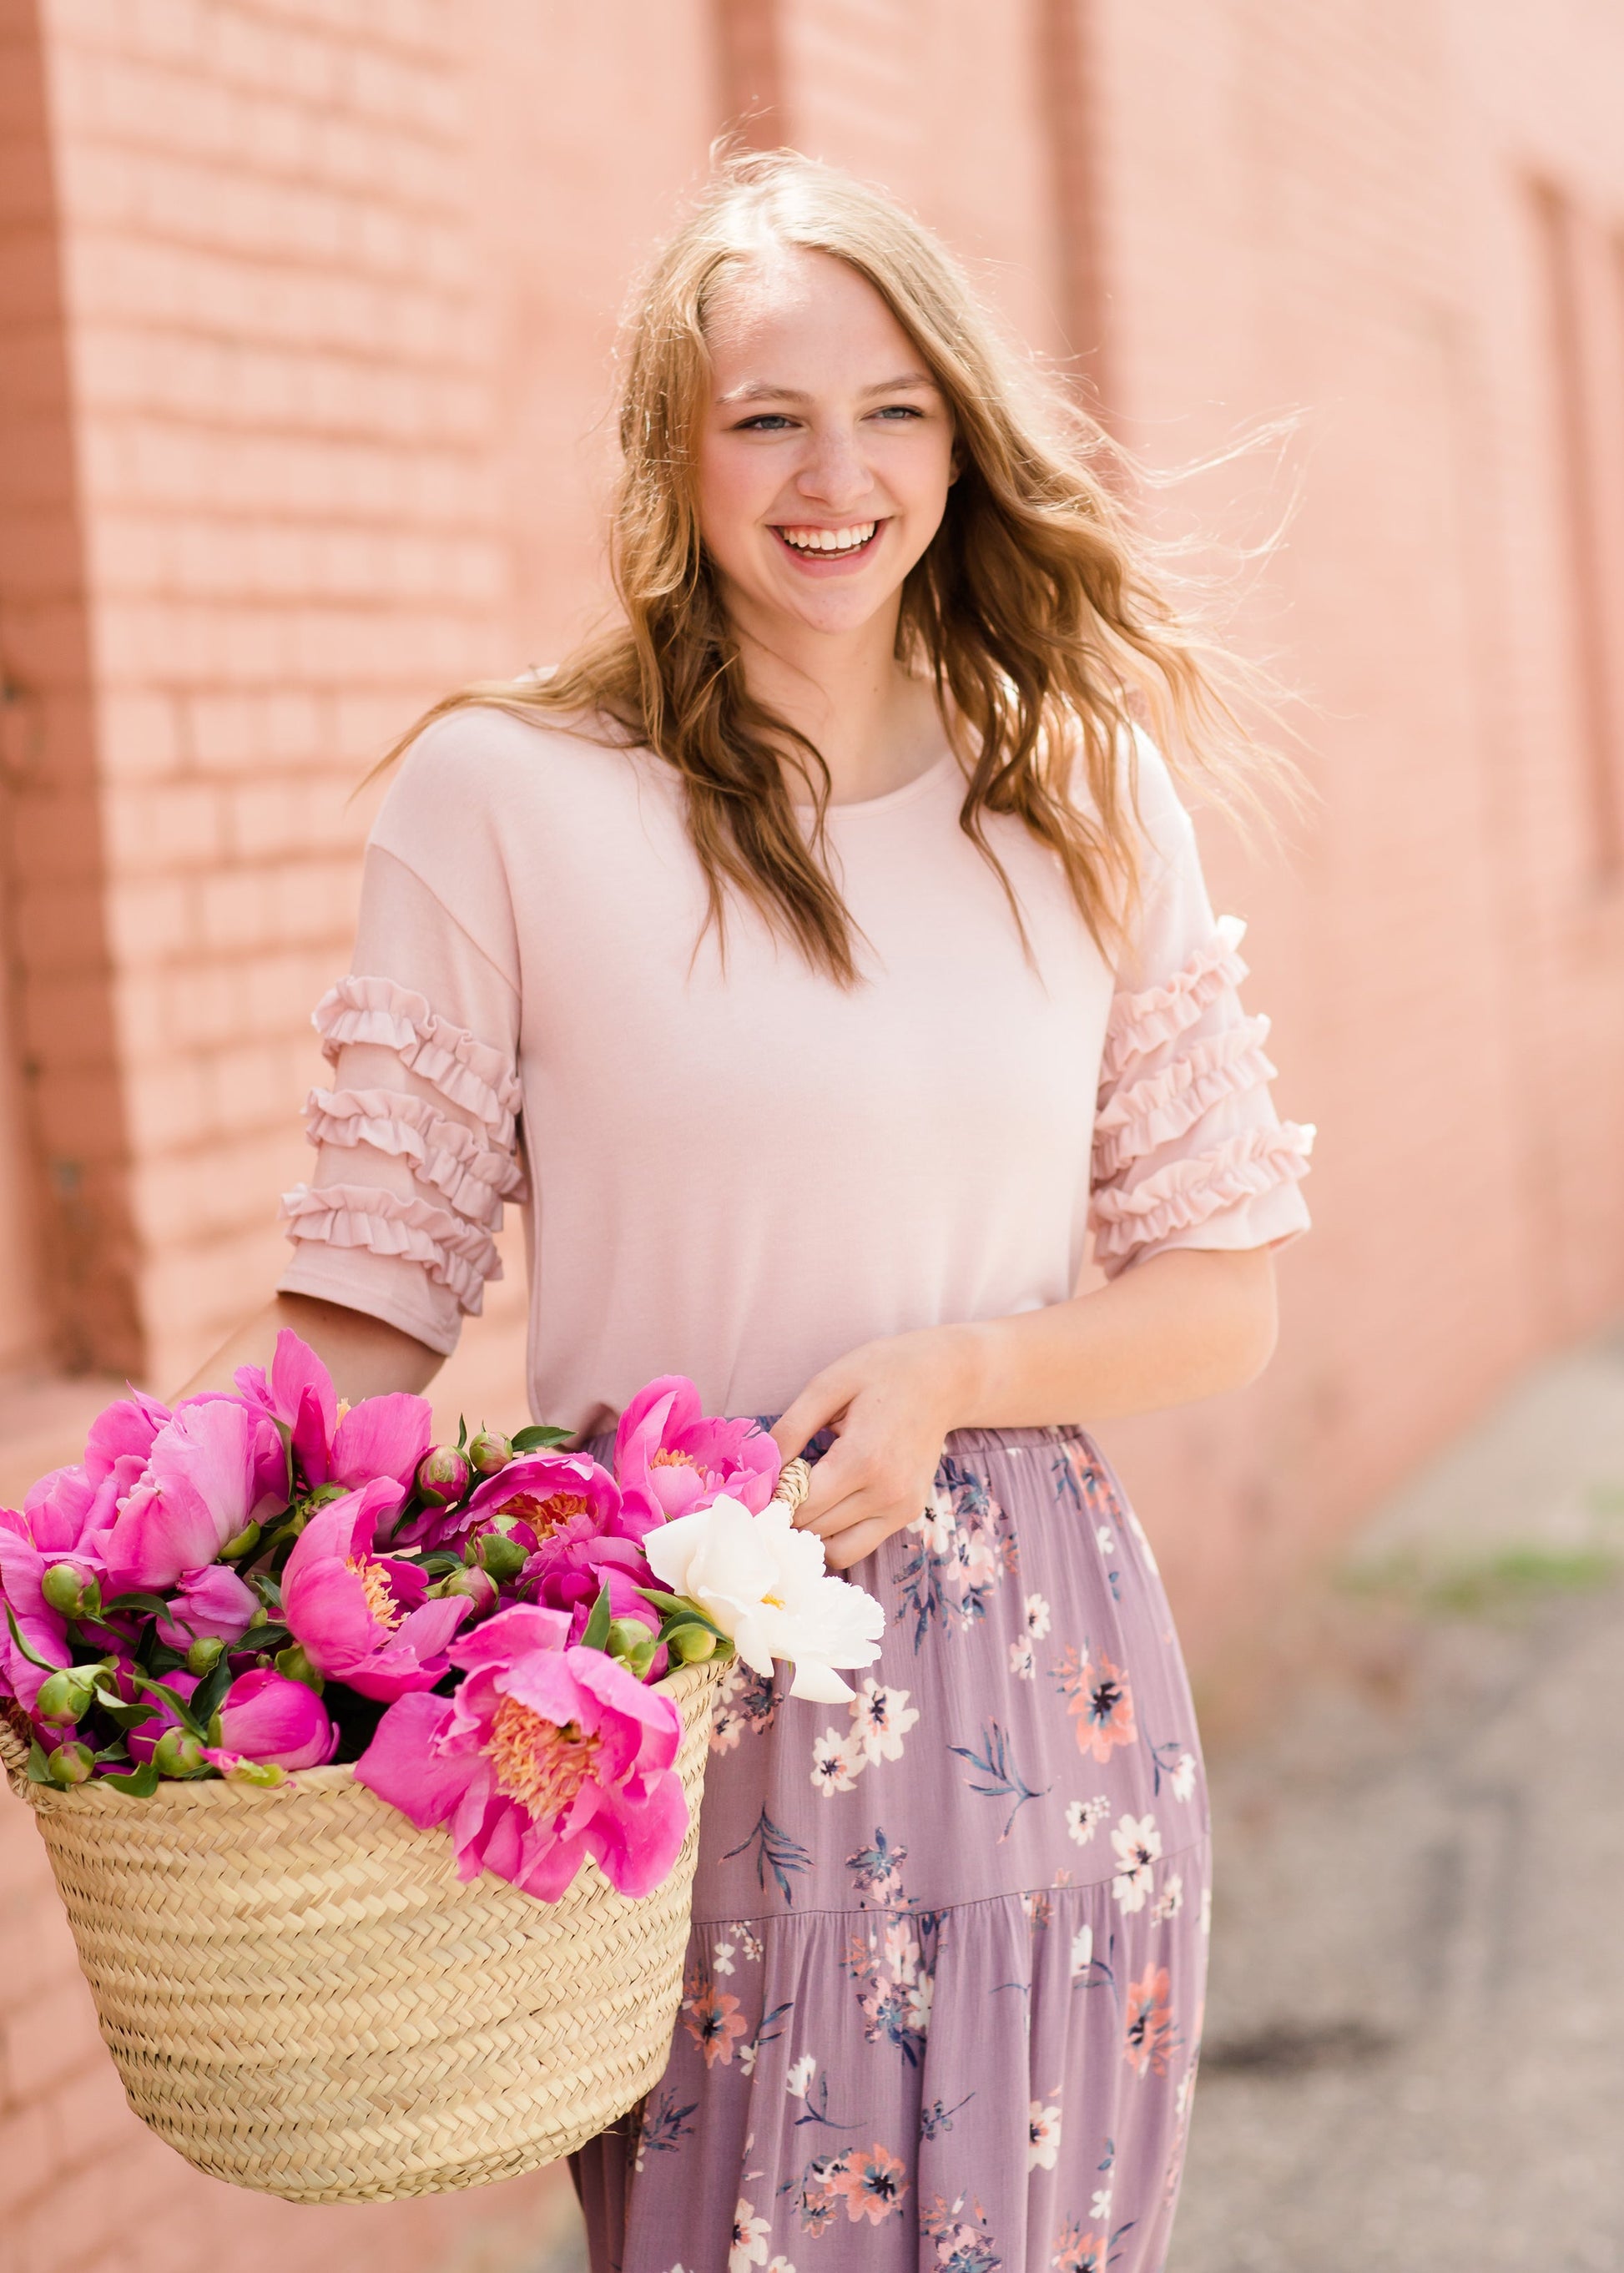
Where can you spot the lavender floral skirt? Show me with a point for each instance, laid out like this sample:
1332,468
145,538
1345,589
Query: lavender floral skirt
944,1991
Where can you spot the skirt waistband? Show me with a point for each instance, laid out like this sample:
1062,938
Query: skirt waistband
962,1443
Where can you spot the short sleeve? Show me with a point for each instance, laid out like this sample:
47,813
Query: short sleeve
419,1140
1188,1149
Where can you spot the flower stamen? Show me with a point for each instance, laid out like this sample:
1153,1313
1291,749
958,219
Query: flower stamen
546,1516
538,1763
375,1586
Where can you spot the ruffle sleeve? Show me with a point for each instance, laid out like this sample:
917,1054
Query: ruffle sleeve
420,1139
1188,1149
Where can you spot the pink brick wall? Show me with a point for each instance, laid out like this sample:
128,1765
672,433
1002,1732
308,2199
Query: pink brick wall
304,314
65,1143
284,406
1327,211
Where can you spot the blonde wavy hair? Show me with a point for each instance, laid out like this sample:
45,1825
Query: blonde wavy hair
1035,611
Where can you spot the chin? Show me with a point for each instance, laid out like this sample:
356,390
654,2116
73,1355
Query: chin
832,609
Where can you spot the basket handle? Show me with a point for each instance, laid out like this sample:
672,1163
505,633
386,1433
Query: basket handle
13,1751
794,1482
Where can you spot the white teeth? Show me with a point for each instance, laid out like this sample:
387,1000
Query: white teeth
828,540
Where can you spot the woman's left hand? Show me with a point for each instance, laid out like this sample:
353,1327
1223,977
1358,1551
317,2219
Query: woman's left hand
890,1405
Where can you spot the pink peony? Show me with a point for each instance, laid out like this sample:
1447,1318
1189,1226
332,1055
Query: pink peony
545,1755
125,1430
70,1513
568,1573
213,1602
214,1469
278,1722
45,1632
363,1618
671,1458
380,1437
541,1496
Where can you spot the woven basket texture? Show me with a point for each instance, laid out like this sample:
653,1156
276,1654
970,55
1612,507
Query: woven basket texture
302,1997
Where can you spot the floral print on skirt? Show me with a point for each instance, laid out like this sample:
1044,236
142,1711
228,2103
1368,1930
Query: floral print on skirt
942,1998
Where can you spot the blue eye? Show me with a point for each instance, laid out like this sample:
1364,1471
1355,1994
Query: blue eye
765,421
899,411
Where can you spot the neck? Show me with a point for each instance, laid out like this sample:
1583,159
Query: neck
874,727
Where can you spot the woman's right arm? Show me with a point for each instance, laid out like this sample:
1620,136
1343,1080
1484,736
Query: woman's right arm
365,1357
417,1142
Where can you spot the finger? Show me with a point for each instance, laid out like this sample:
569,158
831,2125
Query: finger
823,1399
855,1545
849,1483
860,1489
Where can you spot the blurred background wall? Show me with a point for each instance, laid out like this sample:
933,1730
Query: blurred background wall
305,311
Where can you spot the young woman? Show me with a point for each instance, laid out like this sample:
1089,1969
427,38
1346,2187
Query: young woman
816,959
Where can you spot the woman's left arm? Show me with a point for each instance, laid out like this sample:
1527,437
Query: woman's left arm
1179,1325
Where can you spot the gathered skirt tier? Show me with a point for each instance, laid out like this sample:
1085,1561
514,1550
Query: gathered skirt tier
941,2005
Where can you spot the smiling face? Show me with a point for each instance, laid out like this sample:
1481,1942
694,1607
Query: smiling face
825,451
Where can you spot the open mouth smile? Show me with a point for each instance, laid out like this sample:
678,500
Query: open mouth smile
818,547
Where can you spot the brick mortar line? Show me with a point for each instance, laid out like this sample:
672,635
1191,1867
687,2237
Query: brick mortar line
310,29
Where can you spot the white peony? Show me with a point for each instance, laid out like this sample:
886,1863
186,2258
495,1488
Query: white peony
766,1586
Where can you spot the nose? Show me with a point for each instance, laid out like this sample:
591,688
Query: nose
833,474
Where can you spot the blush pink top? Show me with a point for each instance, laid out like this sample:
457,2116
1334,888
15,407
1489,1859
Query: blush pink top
733,1168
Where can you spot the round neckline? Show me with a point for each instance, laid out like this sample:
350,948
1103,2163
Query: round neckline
889,799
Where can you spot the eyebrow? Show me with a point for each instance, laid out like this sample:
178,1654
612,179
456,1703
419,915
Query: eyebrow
760,390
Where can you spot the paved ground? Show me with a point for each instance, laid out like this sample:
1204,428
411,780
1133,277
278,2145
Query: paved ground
1416,2030
1415,2027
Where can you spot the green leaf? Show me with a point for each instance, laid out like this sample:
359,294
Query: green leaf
116,1750
43,1663
121,1714
141,1783
690,1616
439,1564
269,1589
149,1605
677,1609
38,1772
597,1634
537,1439
461,1441
177,1704
209,1694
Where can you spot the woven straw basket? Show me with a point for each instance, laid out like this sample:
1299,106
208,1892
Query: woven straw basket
303,1998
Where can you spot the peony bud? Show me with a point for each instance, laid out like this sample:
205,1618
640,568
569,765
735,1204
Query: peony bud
205,1654
477,1585
71,1593
443,1475
240,1543
293,1665
691,1645
504,1558
66,1697
72,1764
489,1452
257,1771
634,1643
272,1719
178,1754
